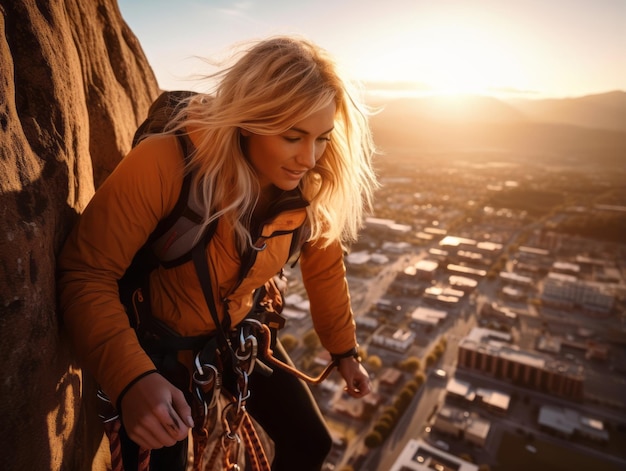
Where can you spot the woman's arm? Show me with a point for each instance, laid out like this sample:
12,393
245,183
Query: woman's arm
115,224
324,277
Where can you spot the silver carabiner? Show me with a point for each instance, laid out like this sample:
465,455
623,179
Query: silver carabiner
252,347
213,381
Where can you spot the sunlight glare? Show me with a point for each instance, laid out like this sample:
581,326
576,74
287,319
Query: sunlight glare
450,58
456,59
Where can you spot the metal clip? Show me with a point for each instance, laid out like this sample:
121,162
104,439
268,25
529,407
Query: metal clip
231,452
245,360
208,378
106,409
231,420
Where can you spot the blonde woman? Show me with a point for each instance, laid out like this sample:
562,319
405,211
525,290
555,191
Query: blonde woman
280,142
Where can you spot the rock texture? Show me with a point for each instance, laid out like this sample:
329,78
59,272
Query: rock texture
74,83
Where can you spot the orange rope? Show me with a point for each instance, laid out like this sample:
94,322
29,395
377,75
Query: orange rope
112,429
254,447
200,441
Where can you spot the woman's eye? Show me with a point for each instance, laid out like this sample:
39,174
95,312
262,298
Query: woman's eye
291,139
324,139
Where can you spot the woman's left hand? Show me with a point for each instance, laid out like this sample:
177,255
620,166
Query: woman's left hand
357,380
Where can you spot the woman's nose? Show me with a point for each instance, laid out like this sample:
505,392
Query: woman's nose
307,156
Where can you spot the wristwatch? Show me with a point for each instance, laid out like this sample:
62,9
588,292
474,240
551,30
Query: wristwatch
353,352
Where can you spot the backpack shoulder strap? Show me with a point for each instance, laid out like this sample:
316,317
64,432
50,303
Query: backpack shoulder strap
298,239
176,234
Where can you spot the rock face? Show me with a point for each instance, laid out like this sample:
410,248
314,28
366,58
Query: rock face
74,83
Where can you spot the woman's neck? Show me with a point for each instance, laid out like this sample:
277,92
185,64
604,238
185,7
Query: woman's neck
266,198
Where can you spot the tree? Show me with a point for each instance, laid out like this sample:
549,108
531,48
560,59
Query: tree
383,428
412,385
401,402
311,340
374,363
411,364
373,440
386,419
406,394
391,412
289,342
420,378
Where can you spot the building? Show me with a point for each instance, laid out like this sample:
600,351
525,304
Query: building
566,268
390,378
462,283
460,390
457,242
465,271
461,424
428,316
515,279
500,313
446,296
489,248
492,353
490,399
387,227
366,322
393,338
362,258
568,290
417,455
426,269
568,423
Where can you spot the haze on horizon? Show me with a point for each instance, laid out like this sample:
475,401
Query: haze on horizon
530,48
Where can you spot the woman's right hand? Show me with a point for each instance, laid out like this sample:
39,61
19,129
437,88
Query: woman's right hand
155,413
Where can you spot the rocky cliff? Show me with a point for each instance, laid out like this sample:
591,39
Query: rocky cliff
74,83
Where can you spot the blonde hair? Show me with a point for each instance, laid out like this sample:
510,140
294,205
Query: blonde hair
275,84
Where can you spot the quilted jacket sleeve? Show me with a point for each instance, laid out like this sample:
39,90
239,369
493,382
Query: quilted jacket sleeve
118,220
324,277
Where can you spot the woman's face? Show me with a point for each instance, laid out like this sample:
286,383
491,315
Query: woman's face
283,159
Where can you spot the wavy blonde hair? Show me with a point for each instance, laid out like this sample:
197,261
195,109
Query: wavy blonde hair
273,85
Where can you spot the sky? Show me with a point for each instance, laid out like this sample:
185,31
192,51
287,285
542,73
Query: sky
526,48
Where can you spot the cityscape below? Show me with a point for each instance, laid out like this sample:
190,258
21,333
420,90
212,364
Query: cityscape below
489,299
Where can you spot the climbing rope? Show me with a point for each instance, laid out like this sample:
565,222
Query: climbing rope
237,427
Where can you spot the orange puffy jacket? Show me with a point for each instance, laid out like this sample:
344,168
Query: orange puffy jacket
141,191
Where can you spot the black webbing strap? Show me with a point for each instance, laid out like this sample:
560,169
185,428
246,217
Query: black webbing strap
202,269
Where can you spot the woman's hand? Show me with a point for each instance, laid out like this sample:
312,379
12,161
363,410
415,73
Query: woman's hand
155,413
357,380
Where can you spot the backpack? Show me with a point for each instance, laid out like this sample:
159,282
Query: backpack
172,241
183,220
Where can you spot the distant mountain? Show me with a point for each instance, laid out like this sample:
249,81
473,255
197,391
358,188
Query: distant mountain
589,129
603,111
451,109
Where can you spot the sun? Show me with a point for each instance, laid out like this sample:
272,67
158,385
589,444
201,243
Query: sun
463,60
449,58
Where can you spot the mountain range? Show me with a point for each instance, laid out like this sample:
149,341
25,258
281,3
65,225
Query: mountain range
588,129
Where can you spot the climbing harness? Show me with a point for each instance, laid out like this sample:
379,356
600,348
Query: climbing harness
238,430
248,341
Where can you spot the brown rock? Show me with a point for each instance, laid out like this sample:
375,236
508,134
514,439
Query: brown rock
74,83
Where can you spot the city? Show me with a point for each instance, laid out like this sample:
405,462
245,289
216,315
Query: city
489,299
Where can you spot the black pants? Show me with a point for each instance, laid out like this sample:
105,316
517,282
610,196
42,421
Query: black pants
284,406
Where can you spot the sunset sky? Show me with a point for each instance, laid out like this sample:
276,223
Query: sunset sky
531,48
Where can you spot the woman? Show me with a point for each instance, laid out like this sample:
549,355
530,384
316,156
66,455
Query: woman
281,125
